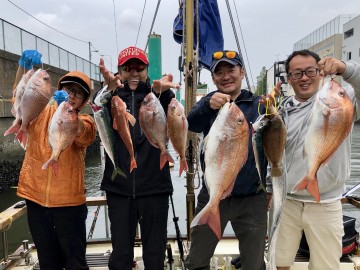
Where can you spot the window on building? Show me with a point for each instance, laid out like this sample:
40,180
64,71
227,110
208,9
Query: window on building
348,56
349,33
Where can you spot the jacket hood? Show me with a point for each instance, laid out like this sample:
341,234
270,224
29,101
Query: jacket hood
80,78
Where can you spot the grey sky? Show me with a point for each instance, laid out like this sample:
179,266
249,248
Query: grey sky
269,27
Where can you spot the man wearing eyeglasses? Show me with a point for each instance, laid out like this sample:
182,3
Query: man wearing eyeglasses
321,222
246,207
56,203
142,197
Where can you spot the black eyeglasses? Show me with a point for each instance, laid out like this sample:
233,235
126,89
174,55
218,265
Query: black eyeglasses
79,94
129,68
297,74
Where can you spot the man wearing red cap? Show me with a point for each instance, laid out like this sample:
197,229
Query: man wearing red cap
142,197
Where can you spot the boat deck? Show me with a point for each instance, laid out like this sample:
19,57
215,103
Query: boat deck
98,251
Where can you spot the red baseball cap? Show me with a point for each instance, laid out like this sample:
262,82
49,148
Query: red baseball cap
130,53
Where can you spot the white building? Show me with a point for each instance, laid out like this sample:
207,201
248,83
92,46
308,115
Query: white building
351,42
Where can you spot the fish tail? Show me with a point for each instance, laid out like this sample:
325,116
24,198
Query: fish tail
132,164
183,166
117,171
53,163
310,184
211,218
164,157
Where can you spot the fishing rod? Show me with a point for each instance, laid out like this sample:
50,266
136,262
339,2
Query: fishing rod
178,233
351,190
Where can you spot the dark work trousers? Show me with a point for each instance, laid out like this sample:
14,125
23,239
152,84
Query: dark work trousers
248,218
151,212
59,234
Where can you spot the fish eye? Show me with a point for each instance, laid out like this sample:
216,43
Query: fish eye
341,93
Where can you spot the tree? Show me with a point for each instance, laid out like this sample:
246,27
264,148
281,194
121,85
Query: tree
261,83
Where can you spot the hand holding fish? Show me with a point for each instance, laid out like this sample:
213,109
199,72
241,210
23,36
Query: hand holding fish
218,100
165,83
331,66
270,98
113,81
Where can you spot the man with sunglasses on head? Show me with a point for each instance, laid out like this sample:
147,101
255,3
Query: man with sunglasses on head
246,207
56,203
142,197
322,222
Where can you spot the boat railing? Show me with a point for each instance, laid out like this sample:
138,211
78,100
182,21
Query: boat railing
17,210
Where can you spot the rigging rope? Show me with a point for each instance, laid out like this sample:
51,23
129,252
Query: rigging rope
47,24
152,24
142,16
242,37
117,46
237,41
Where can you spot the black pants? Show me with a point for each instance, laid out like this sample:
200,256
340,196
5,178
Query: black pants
151,212
59,234
248,218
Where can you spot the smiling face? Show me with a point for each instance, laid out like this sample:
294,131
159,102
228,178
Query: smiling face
133,71
76,94
304,87
228,78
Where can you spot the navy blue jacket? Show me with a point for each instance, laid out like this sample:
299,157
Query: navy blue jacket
147,179
201,118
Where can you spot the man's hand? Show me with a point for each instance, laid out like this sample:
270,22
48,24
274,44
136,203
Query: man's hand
165,83
218,100
331,66
29,58
111,80
264,100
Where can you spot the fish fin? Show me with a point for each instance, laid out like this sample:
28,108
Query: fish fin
21,136
132,164
183,166
130,118
114,125
310,184
211,218
165,156
13,129
117,171
326,114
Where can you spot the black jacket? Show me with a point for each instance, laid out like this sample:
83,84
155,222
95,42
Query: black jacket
201,118
147,178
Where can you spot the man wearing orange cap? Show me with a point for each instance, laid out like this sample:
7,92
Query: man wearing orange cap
142,197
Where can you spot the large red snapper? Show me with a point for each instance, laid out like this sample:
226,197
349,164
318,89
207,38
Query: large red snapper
62,131
121,120
330,122
177,128
152,120
36,96
226,151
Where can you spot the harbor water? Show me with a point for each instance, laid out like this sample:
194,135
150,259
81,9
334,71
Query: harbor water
20,231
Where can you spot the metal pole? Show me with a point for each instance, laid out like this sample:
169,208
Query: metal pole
90,58
102,157
190,96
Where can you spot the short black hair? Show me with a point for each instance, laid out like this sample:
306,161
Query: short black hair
302,53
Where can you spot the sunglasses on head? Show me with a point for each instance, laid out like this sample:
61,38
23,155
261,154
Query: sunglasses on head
129,68
228,54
